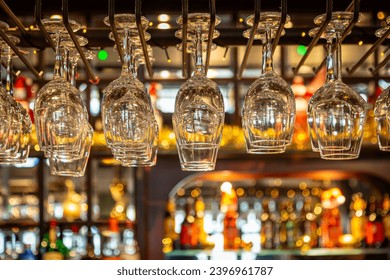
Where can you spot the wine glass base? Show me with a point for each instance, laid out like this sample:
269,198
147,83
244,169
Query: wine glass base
197,167
339,156
265,150
198,157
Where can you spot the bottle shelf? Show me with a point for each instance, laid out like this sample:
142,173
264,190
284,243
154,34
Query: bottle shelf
322,253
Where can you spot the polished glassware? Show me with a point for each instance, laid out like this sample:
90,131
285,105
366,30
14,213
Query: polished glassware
63,129
75,167
127,111
339,112
382,108
268,113
329,34
198,117
61,98
15,124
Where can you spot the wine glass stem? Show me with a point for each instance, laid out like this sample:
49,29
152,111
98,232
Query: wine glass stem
268,51
9,84
338,56
65,63
126,67
329,61
72,76
57,63
199,69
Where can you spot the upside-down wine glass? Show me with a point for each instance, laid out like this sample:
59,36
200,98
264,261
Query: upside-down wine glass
339,112
75,167
268,113
16,124
329,34
382,107
60,113
126,107
198,117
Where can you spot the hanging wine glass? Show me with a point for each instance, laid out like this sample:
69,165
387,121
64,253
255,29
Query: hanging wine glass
339,113
382,107
59,130
126,107
268,113
75,167
329,34
199,109
17,125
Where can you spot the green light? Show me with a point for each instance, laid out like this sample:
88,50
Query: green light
301,50
102,55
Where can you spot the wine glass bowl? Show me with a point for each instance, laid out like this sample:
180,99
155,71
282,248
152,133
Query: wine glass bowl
127,111
198,117
336,113
268,112
382,107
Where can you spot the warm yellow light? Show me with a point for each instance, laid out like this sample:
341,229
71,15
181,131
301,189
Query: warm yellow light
289,25
165,74
150,23
226,187
163,25
163,17
278,182
169,60
31,27
55,17
240,191
360,43
380,15
303,34
85,30
241,20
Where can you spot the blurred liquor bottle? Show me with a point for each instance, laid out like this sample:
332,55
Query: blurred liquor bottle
375,234
27,254
199,221
386,217
52,247
130,249
111,241
189,234
229,206
267,227
331,224
170,235
90,252
358,219
308,224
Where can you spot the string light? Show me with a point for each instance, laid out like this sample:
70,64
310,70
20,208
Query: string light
360,43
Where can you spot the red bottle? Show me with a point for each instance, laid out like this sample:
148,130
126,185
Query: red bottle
375,232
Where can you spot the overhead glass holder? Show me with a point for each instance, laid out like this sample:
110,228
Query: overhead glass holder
38,22
375,70
65,17
111,13
281,25
355,7
184,56
211,32
22,29
138,4
369,52
15,49
313,43
251,38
